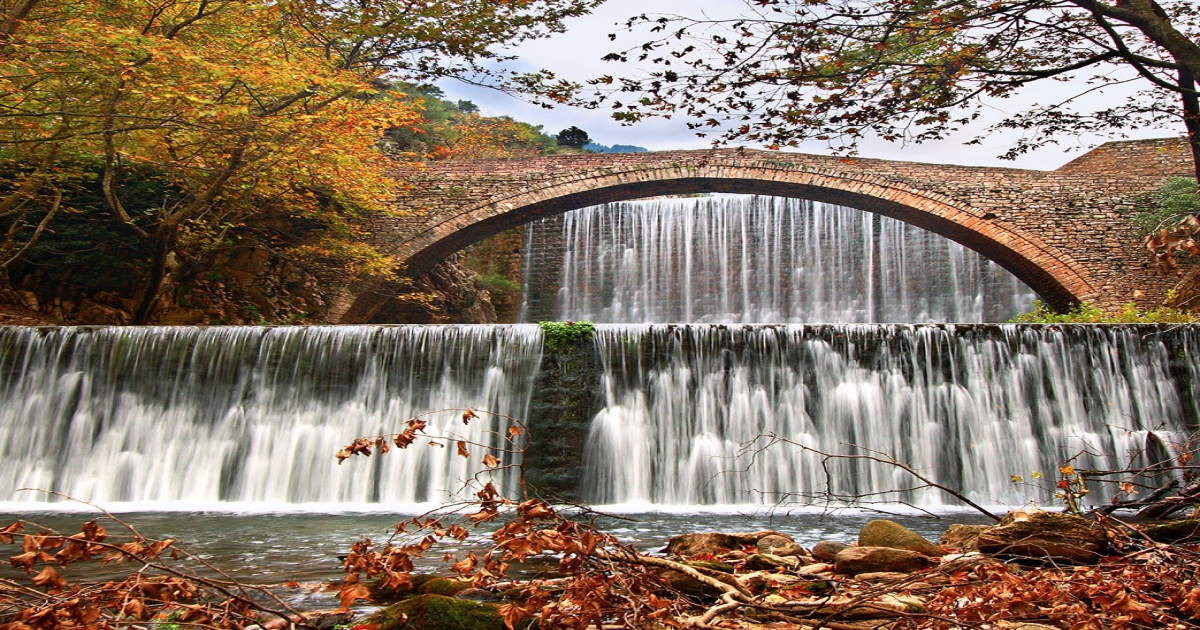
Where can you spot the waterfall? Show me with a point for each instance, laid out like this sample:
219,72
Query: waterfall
686,409
249,414
735,258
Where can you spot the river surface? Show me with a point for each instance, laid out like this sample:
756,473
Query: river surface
274,548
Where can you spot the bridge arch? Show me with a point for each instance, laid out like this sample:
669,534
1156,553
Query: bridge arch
1055,276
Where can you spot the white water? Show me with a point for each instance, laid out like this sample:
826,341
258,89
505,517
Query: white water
736,258
195,417
686,408
249,418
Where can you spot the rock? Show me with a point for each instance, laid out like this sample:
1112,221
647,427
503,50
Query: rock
881,577
821,568
733,557
1045,535
763,580
443,586
885,533
383,595
1181,531
779,545
689,585
438,612
855,560
827,550
964,561
711,543
713,565
963,537
766,561
814,587
478,595
326,619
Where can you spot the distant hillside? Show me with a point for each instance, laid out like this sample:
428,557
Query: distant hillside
616,148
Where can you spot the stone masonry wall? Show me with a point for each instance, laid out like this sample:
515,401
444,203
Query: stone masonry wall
1064,232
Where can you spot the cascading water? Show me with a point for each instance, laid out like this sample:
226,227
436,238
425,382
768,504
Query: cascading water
249,414
735,258
686,409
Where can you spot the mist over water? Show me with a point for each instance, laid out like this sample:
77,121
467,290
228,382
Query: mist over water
738,258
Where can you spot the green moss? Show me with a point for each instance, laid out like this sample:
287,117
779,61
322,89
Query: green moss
381,595
438,612
558,334
816,587
715,566
443,586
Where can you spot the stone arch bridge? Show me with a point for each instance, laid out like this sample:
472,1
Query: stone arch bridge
1065,233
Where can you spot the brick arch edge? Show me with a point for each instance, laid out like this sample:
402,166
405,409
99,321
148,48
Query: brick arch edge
1058,281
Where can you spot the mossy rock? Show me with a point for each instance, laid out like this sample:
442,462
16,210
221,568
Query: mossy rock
443,586
713,565
885,533
383,595
816,587
438,612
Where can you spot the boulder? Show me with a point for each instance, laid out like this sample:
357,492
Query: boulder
327,619
827,550
478,595
1045,535
767,562
779,545
964,562
963,537
882,577
443,586
713,565
438,612
384,595
712,543
885,533
820,568
855,560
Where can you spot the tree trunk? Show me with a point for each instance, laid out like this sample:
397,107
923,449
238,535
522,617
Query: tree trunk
1191,116
161,245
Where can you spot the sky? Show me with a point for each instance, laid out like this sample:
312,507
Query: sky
575,55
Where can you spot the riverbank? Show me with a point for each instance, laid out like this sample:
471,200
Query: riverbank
19,315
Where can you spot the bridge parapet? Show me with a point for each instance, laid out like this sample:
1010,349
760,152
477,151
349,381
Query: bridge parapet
1066,233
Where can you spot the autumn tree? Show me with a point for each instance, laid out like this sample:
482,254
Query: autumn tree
917,70
456,130
235,105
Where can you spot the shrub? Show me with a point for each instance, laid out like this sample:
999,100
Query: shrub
559,334
1085,313
1176,198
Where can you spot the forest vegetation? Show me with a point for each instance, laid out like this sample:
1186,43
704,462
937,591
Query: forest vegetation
209,161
